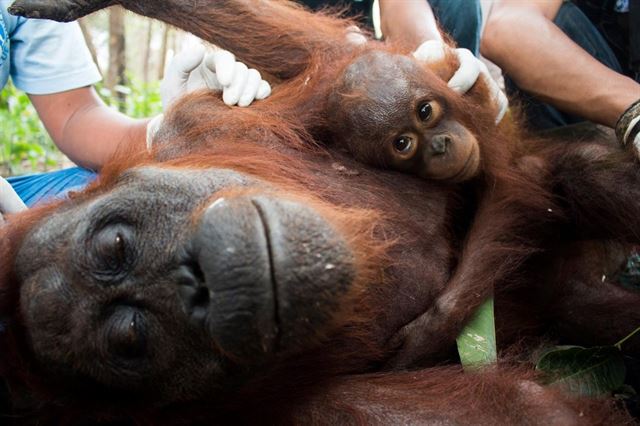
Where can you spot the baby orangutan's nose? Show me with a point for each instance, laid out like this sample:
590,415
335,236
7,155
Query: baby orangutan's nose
440,144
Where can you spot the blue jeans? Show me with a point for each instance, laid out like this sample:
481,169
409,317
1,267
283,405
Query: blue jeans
575,24
42,187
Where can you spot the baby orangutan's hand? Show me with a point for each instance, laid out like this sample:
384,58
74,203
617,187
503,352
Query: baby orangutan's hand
424,341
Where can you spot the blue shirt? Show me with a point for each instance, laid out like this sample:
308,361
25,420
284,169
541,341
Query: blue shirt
43,57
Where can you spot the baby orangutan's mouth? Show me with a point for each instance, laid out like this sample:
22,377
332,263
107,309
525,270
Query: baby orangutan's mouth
470,167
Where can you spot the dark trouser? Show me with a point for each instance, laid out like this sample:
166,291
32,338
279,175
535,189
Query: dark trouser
577,26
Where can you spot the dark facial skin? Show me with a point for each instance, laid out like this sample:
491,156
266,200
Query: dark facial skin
391,114
146,287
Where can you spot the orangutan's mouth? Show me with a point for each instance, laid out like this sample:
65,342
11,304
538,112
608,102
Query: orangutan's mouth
470,167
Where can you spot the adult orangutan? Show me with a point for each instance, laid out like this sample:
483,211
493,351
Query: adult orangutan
241,270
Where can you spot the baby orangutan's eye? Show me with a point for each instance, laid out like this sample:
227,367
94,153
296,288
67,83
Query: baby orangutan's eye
425,111
404,147
403,144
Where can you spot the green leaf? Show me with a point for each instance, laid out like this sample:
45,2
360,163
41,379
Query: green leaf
477,341
584,371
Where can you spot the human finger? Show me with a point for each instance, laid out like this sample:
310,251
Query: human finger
498,96
231,93
222,62
250,89
468,71
264,90
430,51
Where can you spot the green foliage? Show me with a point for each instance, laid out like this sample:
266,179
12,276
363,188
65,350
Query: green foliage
137,100
584,371
587,371
477,341
25,145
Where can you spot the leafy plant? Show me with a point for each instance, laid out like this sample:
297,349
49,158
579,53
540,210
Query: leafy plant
24,142
477,341
586,371
25,145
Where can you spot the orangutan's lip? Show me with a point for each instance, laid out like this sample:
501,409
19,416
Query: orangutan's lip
233,245
272,268
470,166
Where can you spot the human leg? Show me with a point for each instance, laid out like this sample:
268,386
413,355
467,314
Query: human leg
41,187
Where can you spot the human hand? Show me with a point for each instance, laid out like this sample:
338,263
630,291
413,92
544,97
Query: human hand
470,69
9,200
355,36
194,69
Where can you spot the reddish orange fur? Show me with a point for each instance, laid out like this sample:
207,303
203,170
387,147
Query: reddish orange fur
276,140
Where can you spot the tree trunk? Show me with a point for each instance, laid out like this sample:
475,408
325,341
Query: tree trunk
146,53
163,51
89,40
117,50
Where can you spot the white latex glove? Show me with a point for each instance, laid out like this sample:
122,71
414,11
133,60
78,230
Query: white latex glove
471,68
355,36
195,69
9,200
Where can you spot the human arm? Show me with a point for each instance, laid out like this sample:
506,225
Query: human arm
560,72
89,132
84,128
412,22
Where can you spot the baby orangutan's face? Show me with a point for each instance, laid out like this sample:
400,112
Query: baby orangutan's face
394,113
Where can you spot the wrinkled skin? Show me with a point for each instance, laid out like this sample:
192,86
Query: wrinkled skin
129,299
228,280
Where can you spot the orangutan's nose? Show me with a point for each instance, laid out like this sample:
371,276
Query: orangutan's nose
440,144
195,296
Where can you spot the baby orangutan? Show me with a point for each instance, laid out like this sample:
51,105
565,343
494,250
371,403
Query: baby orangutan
389,115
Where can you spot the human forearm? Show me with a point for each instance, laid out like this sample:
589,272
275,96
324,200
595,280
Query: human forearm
92,136
84,128
410,22
542,60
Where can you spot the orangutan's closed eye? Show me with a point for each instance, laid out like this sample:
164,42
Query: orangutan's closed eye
111,251
126,333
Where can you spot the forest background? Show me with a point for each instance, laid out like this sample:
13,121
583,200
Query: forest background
131,52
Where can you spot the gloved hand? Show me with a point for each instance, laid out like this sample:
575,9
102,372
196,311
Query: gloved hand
467,74
628,127
194,69
9,200
355,36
